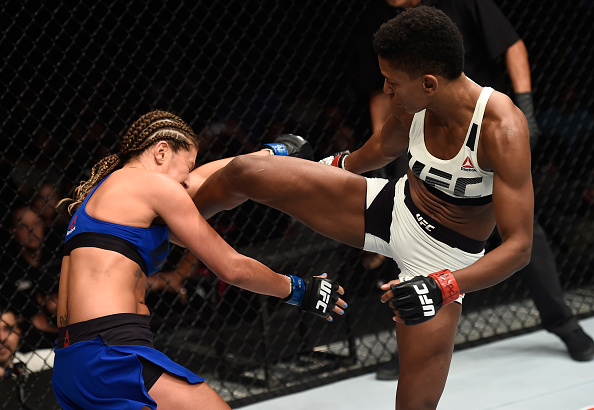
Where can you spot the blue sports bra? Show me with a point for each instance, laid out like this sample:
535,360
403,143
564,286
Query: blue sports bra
148,247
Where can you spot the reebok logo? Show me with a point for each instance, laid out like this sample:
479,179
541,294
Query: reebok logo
66,339
428,308
72,226
467,165
325,290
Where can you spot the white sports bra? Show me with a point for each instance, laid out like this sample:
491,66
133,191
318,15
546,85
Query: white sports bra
459,180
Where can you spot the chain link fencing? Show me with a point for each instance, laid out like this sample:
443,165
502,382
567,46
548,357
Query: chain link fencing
76,74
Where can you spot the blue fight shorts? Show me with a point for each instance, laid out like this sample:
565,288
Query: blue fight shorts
95,374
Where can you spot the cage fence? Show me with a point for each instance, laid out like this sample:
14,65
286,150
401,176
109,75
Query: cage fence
77,74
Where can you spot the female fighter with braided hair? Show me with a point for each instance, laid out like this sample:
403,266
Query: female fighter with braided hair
125,215
469,170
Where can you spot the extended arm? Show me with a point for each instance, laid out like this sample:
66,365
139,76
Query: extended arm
173,205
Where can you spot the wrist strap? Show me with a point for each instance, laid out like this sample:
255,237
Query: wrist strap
297,291
448,285
277,148
338,160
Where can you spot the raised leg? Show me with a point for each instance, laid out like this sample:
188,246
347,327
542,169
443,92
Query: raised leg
329,200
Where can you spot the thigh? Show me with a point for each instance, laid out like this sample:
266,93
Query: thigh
174,393
425,353
329,200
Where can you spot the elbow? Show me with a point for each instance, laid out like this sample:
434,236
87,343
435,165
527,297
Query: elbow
525,260
230,275
236,273
524,255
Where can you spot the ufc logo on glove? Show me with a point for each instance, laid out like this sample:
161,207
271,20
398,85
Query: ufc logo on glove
428,308
419,298
315,295
325,290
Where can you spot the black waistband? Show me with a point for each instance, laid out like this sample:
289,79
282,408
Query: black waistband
440,232
118,329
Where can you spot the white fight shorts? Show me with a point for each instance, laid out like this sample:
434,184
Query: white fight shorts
396,228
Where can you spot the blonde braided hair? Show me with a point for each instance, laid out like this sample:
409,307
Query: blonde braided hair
148,130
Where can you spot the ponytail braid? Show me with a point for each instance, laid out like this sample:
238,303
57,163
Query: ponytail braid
148,130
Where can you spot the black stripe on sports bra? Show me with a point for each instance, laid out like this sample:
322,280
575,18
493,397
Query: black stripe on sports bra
107,242
459,201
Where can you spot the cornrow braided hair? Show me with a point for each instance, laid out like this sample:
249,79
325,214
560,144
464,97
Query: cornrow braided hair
148,130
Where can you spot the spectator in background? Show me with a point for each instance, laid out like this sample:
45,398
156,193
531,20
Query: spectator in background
10,338
30,285
13,372
40,331
23,258
26,290
491,46
44,203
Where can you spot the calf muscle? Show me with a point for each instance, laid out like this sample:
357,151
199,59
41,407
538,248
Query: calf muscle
328,200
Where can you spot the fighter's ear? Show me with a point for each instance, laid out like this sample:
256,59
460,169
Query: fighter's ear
160,150
430,83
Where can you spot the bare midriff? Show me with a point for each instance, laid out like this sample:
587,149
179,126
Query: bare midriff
96,282
475,222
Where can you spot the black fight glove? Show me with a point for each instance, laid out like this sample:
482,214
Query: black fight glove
315,295
419,298
526,105
290,145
